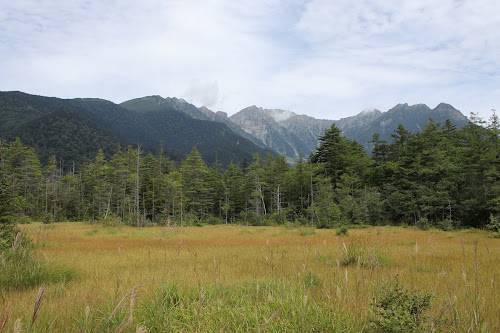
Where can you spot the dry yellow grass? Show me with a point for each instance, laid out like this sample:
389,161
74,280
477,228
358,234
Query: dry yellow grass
460,268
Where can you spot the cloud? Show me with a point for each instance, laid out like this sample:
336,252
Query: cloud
204,93
325,58
444,35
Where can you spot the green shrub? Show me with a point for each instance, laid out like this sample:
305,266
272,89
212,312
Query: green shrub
8,233
423,224
494,224
446,225
301,220
397,309
342,231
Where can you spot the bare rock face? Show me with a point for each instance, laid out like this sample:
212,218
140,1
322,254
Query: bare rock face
275,128
293,135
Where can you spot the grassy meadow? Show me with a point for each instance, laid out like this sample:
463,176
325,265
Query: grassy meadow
267,279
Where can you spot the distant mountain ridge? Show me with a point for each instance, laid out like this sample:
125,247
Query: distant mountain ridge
286,132
291,134
158,103
150,121
413,117
73,127
221,117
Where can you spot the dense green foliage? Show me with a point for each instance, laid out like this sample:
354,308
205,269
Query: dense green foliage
73,130
412,117
397,309
53,127
7,229
440,177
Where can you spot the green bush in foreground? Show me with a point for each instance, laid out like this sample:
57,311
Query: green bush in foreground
397,309
20,269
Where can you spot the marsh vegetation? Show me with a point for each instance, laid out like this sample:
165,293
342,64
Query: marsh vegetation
268,279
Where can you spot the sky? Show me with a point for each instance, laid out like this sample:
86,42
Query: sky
325,58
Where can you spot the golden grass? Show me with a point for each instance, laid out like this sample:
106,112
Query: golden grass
460,268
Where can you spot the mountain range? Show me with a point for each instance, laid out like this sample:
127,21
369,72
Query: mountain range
291,134
74,129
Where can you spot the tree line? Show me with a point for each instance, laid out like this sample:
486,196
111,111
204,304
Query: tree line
441,176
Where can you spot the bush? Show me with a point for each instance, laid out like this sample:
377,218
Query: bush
423,224
397,309
447,225
342,231
8,233
301,220
494,226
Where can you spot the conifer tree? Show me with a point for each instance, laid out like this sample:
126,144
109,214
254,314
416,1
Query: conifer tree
196,189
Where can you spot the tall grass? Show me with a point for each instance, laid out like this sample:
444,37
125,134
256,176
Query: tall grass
21,269
234,278
361,255
273,306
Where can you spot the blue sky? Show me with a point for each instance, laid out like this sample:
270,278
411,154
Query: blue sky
325,58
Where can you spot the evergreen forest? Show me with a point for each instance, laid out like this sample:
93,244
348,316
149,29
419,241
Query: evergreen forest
441,176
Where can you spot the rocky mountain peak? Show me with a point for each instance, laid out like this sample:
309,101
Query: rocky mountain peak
453,113
291,134
222,114
206,111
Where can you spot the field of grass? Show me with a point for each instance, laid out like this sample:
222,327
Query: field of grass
236,278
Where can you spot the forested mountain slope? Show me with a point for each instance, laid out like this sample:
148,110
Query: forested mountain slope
53,127
164,122
71,128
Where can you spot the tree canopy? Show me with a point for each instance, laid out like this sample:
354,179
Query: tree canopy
439,176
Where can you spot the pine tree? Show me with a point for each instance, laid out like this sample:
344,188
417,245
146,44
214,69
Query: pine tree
196,189
234,200
331,153
51,180
7,228
22,171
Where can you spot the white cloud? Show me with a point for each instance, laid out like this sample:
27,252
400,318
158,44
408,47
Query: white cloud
321,57
204,93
